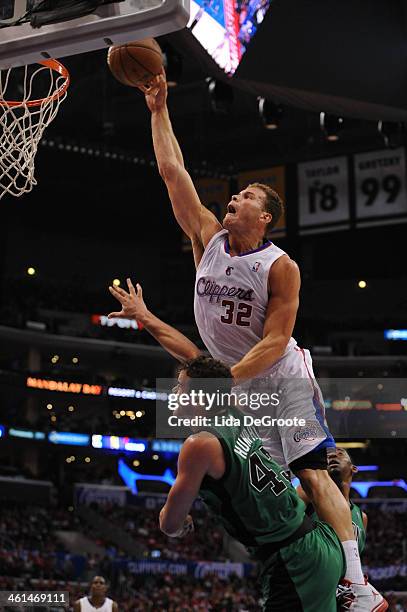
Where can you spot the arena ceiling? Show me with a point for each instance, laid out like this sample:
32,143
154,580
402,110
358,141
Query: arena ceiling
346,58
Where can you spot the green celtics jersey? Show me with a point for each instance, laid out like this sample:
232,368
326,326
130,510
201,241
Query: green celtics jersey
358,526
254,500
357,523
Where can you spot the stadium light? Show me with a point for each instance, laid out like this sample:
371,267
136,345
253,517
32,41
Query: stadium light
220,96
270,113
392,133
331,126
395,334
354,444
367,468
74,439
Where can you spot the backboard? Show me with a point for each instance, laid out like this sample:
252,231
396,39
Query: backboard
110,24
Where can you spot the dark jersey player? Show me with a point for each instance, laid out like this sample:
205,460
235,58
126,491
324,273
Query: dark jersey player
301,560
341,469
248,491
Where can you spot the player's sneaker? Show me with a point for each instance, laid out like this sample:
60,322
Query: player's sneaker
354,597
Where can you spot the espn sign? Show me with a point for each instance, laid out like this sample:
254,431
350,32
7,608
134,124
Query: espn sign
104,321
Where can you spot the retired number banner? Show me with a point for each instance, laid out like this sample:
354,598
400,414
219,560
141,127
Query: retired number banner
323,195
380,183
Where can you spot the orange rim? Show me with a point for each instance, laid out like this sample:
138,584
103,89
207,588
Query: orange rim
57,67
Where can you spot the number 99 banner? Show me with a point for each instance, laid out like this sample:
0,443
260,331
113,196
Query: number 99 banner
380,184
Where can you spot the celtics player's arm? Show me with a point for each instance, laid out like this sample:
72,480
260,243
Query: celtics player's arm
193,463
175,343
284,289
302,495
197,221
364,519
134,307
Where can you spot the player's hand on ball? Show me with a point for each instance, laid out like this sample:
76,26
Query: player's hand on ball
133,305
156,93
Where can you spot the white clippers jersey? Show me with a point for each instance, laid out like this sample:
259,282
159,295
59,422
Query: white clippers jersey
231,298
86,606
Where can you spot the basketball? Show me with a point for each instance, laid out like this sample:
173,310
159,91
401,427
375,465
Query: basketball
135,63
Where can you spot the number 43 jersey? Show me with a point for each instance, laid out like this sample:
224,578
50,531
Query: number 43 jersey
231,298
254,499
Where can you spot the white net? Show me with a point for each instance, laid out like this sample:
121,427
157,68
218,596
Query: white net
23,122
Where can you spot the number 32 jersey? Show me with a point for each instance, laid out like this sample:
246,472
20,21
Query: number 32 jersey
231,298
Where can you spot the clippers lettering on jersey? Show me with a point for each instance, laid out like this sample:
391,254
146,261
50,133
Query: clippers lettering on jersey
306,433
208,288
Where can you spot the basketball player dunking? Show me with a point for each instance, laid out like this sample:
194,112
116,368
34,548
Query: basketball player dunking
246,301
96,600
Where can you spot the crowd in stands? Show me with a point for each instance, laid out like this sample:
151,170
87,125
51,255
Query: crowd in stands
28,546
32,527
142,525
386,536
189,594
168,593
30,554
165,593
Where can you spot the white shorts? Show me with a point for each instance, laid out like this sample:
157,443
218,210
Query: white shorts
291,383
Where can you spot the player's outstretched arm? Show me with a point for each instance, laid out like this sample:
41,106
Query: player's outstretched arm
197,221
284,285
134,307
193,463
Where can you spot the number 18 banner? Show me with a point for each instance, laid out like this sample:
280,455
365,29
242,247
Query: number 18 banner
380,183
323,194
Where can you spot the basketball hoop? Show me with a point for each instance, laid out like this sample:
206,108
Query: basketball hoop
23,122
